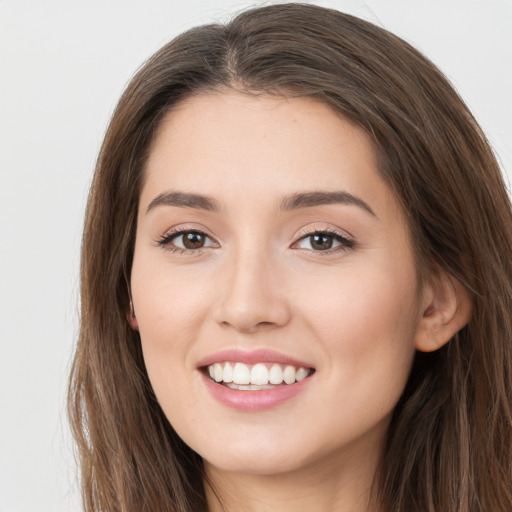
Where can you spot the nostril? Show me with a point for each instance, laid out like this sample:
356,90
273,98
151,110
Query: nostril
248,327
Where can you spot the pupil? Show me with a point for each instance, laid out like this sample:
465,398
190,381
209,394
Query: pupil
322,242
193,240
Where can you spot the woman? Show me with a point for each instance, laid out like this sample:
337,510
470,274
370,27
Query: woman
296,281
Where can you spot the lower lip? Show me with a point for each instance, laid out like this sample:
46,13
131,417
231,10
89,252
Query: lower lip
259,400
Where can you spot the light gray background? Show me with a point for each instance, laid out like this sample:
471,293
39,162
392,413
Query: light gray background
62,67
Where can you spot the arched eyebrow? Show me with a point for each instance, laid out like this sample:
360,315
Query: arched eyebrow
318,198
291,202
184,200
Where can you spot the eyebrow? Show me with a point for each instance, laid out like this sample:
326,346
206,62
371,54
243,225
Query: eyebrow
318,198
184,200
292,202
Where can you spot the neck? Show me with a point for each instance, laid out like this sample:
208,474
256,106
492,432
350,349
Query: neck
322,487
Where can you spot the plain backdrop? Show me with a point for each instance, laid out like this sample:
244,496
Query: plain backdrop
63,65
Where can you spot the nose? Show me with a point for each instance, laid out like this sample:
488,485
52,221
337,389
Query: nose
253,297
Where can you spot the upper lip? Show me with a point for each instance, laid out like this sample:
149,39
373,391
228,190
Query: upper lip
254,356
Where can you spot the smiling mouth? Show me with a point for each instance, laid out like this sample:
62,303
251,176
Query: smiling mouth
259,376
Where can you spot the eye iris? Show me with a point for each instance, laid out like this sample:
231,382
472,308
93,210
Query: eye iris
321,242
193,240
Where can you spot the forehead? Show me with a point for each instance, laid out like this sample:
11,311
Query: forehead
232,145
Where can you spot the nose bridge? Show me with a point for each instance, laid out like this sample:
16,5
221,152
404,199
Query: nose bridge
253,298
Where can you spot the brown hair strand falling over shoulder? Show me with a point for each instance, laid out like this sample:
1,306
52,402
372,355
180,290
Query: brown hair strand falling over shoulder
450,441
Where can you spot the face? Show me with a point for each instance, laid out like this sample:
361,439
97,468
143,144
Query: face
273,283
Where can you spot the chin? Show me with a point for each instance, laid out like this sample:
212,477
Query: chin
258,464
257,456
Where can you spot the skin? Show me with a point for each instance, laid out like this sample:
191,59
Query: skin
356,313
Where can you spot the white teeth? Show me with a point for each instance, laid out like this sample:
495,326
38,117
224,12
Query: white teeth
241,374
228,373
217,372
289,375
302,373
275,375
259,376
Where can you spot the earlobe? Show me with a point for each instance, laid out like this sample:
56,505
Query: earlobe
132,319
446,309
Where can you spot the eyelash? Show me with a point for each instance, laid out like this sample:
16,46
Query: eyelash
345,243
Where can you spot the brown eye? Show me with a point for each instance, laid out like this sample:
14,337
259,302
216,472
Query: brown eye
321,242
193,240
324,242
187,241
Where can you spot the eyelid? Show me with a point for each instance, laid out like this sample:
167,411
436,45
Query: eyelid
313,229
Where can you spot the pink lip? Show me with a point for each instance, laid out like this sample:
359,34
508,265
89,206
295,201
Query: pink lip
253,400
252,357
259,400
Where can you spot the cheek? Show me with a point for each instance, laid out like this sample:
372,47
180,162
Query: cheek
367,323
166,301
170,309
352,302
169,316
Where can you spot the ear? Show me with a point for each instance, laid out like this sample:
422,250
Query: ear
132,319
446,308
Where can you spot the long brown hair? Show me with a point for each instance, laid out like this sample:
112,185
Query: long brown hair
450,441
